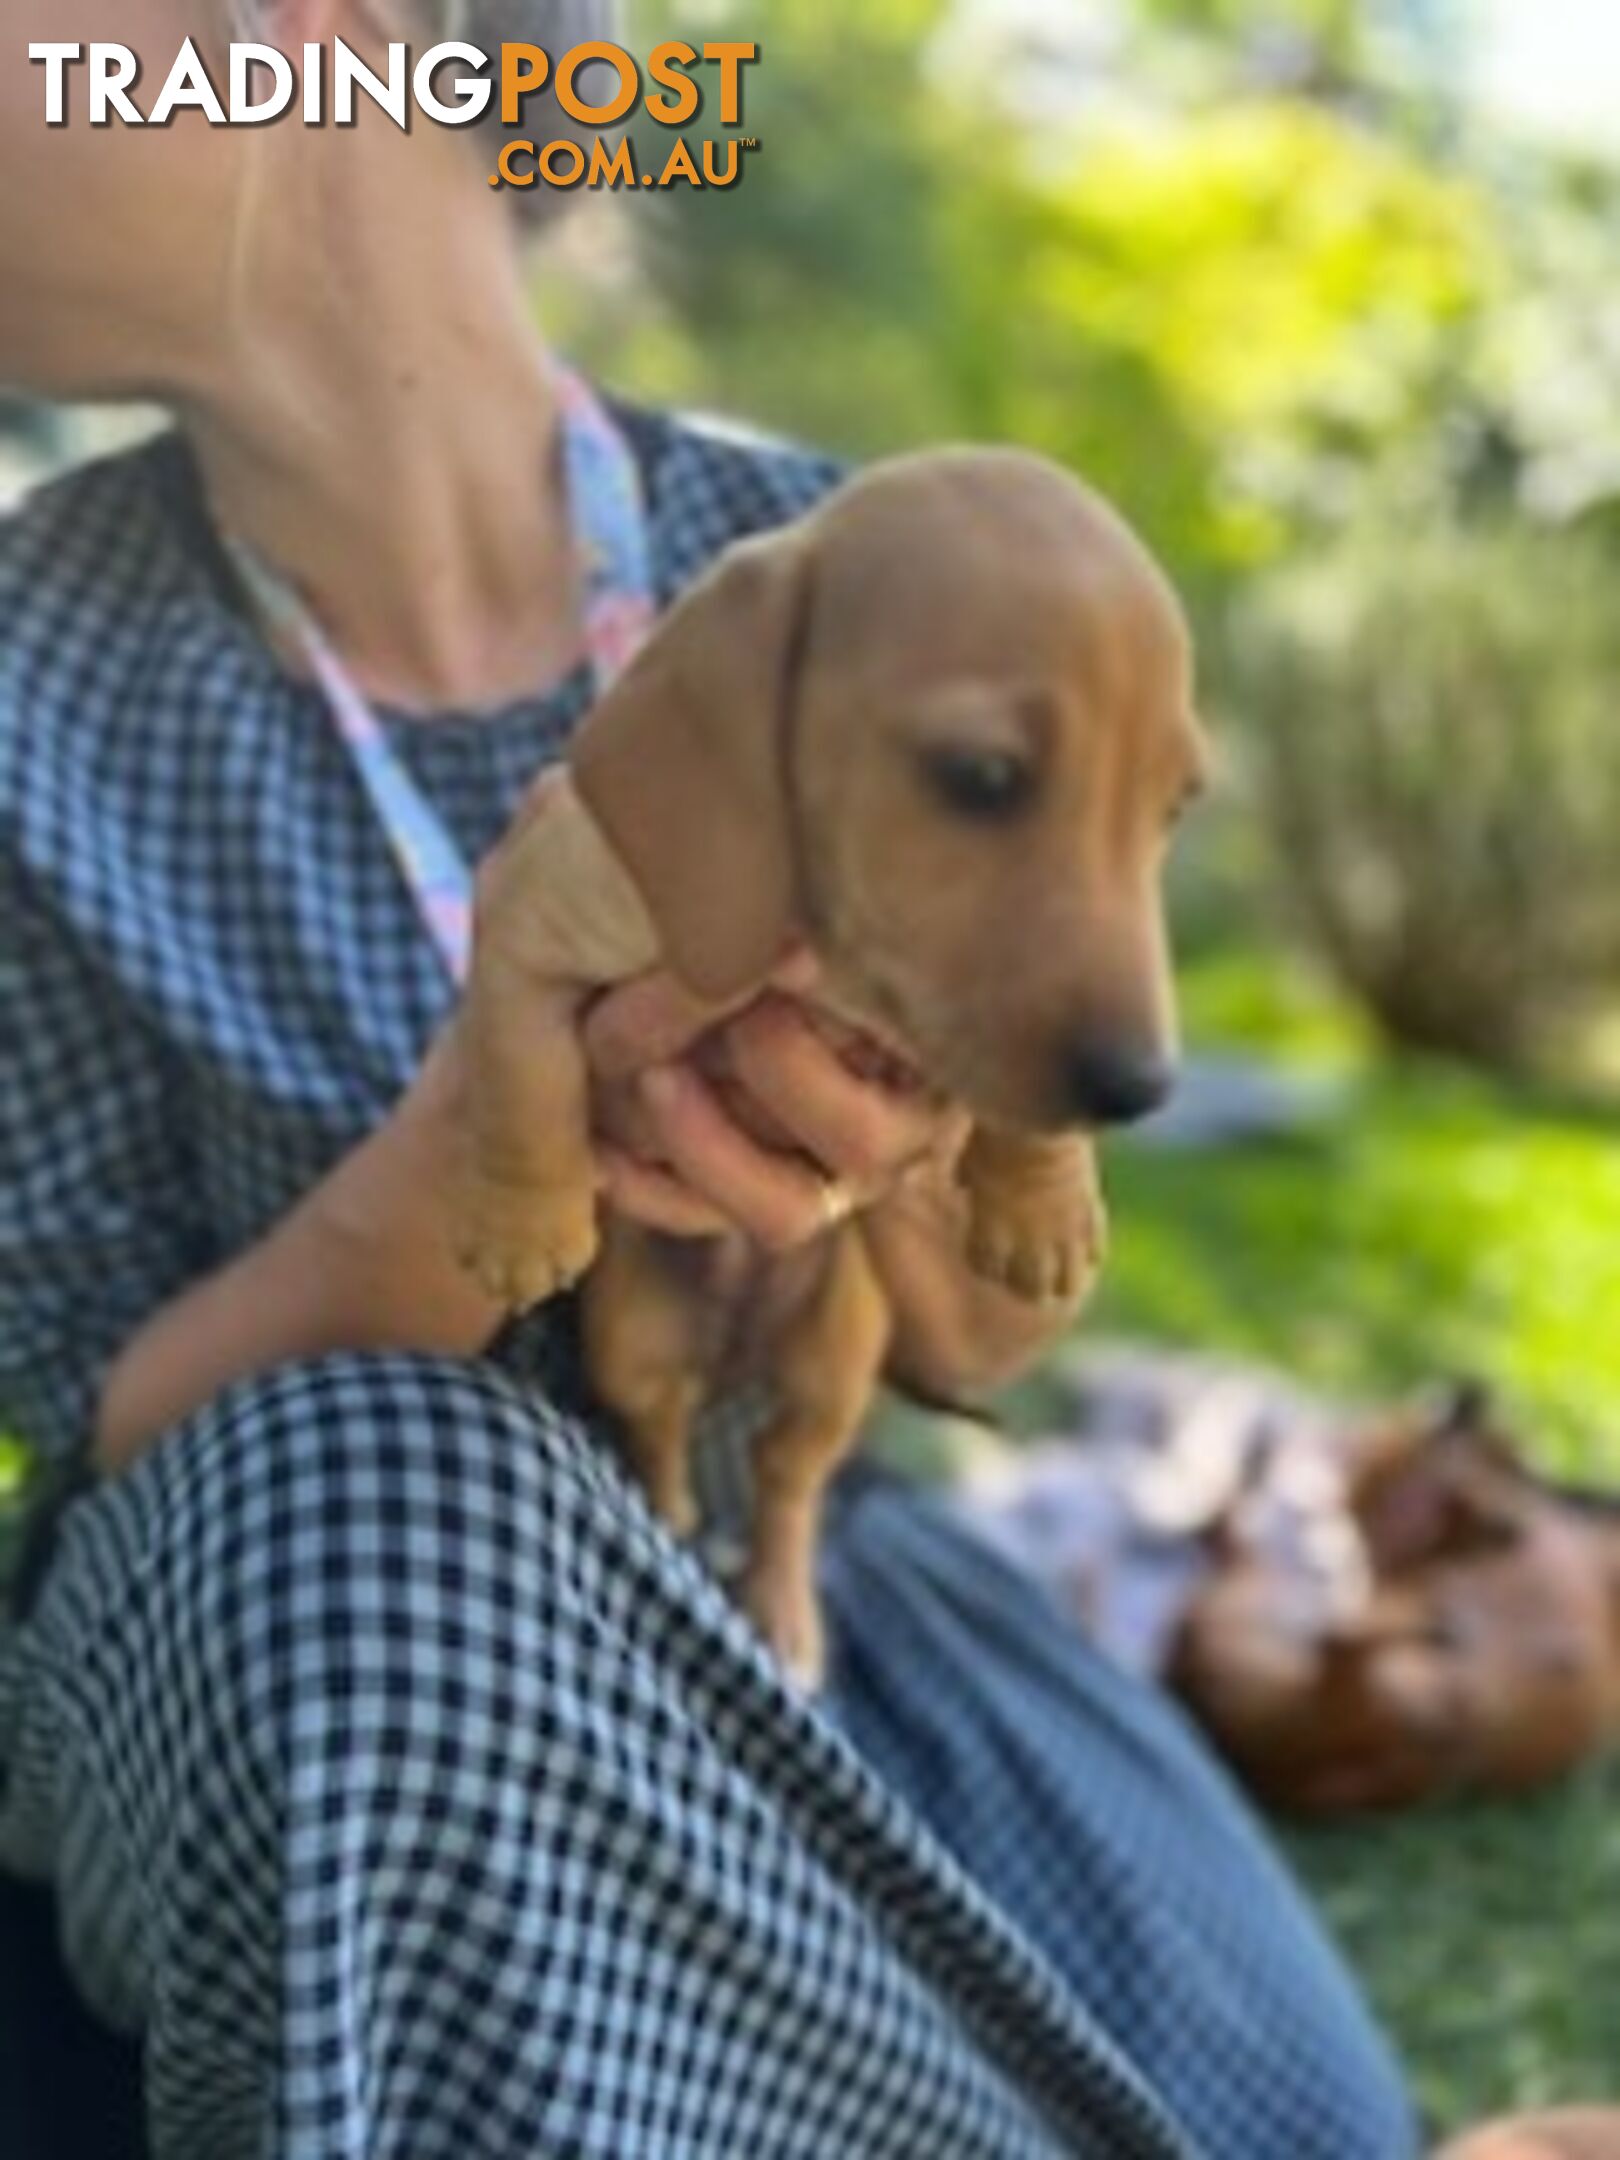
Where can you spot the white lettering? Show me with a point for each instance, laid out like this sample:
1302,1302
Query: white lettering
349,71
56,59
112,69
188,84
471,95
244,59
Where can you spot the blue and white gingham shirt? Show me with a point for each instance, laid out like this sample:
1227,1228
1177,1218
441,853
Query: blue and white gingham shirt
213,980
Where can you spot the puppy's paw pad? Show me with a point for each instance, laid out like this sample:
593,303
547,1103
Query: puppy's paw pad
990,1255
1036,1259
524,1247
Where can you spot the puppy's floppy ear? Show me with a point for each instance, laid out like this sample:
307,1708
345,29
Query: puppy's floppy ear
683,765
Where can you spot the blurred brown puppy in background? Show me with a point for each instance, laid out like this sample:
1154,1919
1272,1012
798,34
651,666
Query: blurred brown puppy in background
1479,1652
939,731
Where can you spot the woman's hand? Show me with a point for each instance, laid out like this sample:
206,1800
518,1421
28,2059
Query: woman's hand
714,1121
748,1120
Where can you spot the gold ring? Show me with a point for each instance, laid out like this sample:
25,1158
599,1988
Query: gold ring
837,1202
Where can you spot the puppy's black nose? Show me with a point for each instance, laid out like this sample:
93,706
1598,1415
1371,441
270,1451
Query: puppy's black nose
1108,1086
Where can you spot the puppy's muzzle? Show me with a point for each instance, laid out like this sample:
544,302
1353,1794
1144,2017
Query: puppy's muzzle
1104,1084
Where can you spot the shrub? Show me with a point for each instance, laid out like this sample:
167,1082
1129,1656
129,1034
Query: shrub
1434,724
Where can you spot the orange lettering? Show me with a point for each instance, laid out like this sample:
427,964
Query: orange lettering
668,66
732,59
598,116
523,68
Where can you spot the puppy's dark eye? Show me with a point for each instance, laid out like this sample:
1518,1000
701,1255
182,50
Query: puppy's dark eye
983,784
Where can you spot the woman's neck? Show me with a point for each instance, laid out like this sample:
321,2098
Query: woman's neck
382,433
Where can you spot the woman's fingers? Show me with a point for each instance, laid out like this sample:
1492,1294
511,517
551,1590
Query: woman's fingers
863,1133
656,1198
774,1199
650,1021
655,1019
741,1116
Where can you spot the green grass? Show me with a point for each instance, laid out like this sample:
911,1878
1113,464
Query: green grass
1441,1226
1486,1938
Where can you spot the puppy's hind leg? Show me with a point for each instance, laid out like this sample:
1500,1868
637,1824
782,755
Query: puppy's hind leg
826,1368
641,1328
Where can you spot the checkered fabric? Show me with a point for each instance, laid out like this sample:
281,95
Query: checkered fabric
398,1776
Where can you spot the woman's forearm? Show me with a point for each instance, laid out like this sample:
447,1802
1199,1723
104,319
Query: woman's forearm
363,1262
956,1336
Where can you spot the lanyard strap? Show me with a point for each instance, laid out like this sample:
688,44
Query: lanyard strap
608,513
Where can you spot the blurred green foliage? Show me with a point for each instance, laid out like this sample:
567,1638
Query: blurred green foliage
1336,27
1196,302
1434,716
1434,1226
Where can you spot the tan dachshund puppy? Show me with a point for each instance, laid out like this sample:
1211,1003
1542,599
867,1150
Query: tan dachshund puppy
939,730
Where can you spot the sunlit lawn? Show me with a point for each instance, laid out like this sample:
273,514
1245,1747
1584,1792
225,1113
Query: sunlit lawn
1437,1226
1487,1939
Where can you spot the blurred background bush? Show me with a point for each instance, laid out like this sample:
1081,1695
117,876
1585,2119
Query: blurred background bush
1432,716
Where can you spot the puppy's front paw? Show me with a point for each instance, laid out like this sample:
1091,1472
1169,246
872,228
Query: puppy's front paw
525,1243
1041,1244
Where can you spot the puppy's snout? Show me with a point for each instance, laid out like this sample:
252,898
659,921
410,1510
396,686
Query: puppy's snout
1106,1085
